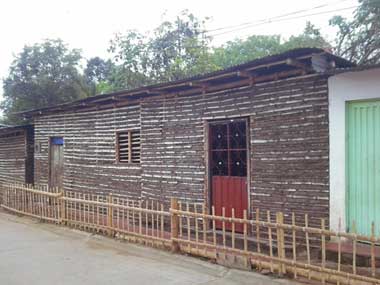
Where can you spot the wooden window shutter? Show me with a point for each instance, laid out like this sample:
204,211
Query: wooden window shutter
135,146
128,146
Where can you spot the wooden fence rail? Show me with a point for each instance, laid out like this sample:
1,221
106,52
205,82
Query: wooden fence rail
264,241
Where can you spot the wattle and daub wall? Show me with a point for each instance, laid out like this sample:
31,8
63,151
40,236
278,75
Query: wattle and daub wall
289,142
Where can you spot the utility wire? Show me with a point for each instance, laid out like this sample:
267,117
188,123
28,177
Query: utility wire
270,21
276,17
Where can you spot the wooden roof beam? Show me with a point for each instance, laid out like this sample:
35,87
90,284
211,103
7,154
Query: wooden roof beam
202,85
153,92
116,98
197,84
123,97
40,112
298,64
244,73
216,77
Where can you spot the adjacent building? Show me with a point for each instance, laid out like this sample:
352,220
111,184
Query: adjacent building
354,129
16,154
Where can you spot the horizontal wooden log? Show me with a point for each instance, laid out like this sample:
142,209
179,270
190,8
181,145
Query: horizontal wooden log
288,137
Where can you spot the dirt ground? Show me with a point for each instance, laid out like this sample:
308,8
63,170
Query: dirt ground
37,253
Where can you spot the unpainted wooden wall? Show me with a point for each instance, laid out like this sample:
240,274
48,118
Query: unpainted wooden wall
289,141
89,150
16,156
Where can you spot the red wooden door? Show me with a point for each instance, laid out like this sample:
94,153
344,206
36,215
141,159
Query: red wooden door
228,163
230,193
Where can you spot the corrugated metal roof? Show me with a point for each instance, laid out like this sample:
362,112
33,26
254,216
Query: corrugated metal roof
9,129
295,53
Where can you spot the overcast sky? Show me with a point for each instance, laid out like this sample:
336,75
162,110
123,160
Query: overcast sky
89,25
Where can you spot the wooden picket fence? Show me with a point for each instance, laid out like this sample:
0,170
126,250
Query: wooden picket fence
142,221
266,242
39,202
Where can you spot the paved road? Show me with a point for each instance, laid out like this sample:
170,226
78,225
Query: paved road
37,253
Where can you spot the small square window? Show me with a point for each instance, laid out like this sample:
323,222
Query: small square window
128,146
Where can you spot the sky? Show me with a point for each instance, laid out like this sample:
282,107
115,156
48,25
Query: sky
89,25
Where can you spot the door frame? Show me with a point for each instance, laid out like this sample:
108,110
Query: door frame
348,223
49,156
208,176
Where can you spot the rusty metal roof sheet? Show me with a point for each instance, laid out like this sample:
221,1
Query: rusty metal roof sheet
266,64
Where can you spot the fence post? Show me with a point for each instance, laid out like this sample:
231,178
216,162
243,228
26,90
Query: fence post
61,200
280,241
174,228
1,193
110,215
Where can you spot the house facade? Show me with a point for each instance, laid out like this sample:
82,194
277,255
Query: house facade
284,155
258,135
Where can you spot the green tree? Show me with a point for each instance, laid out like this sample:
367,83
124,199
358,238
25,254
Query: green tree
256,46
97,74
97,69
182,48
239,51
123,78
176,49
311,37
179,48
359,39
42,75
131,58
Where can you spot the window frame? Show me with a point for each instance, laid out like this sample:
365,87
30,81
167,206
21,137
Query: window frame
228,149
130,148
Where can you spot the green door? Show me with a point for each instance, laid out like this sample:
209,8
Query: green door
363,168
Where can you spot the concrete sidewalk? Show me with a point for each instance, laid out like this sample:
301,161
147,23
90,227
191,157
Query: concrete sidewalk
38,253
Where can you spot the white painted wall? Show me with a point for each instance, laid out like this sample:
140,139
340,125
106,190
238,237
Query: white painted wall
349,86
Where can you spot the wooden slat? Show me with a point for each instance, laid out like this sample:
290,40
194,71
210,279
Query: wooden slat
307,242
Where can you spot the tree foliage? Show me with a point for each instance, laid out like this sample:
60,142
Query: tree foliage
359,39
182,48
42,75
49,73
239,51
176,49
97,74
256,46
179,49
129,53
97,69
311,37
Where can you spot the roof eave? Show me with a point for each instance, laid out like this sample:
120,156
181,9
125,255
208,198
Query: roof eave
199,82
